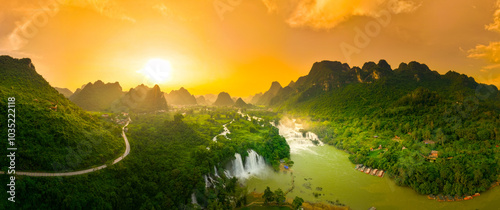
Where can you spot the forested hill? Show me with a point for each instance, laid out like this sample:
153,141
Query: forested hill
332,88
52,133
436,133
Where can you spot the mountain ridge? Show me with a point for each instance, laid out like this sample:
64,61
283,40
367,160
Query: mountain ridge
180,97
97,96
224,99
53,127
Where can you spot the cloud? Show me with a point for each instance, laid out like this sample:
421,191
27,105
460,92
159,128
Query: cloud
490,68
495,26
168,12
271,5
490,52
326,14
108,8
27,18
163,10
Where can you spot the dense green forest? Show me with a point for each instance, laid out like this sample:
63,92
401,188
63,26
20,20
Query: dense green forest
409,112
52,133
387,119
168,159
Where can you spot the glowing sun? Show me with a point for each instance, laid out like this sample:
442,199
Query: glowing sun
156,70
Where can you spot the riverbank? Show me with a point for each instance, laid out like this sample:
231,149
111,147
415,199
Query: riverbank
327,172
449,198
257,202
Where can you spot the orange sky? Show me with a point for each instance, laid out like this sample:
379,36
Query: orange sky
241,46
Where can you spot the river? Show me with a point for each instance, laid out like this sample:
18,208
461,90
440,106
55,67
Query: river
327,171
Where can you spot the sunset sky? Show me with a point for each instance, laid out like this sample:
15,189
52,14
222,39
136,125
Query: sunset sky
241,46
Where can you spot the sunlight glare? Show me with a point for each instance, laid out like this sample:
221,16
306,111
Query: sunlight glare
156,70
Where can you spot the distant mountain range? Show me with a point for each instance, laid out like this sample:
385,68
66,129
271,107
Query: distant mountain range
140,99
181,97
209,99
99,96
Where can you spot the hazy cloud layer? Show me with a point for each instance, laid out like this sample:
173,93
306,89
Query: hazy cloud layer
108,8
326,14
495,26
490,52
30,16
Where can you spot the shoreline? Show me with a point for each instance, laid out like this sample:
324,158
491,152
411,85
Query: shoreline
259,201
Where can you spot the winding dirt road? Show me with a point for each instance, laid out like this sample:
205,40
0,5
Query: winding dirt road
73,173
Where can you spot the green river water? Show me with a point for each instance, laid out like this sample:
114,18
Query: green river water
330,169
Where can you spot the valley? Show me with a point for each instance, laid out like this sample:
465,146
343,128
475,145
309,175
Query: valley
434,135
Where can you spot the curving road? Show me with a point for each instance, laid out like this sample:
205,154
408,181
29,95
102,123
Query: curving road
127,151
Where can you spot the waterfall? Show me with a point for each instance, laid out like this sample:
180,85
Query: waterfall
225,132
216,173
296,139
207,184
254,166
209,181
193,199
228,174
238,168
254,162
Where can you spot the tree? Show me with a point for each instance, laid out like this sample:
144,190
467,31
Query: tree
440,136
178,118
280,196
268,196
297,202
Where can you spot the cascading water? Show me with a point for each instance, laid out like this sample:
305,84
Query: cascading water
238,169
225,132
228,174
216,173
193,199
254,166
207,183
297,141
248,117
290,130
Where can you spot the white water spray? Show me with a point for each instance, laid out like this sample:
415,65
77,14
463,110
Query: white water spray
296,139
216,173
225,132
207,183
254,166
193,199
